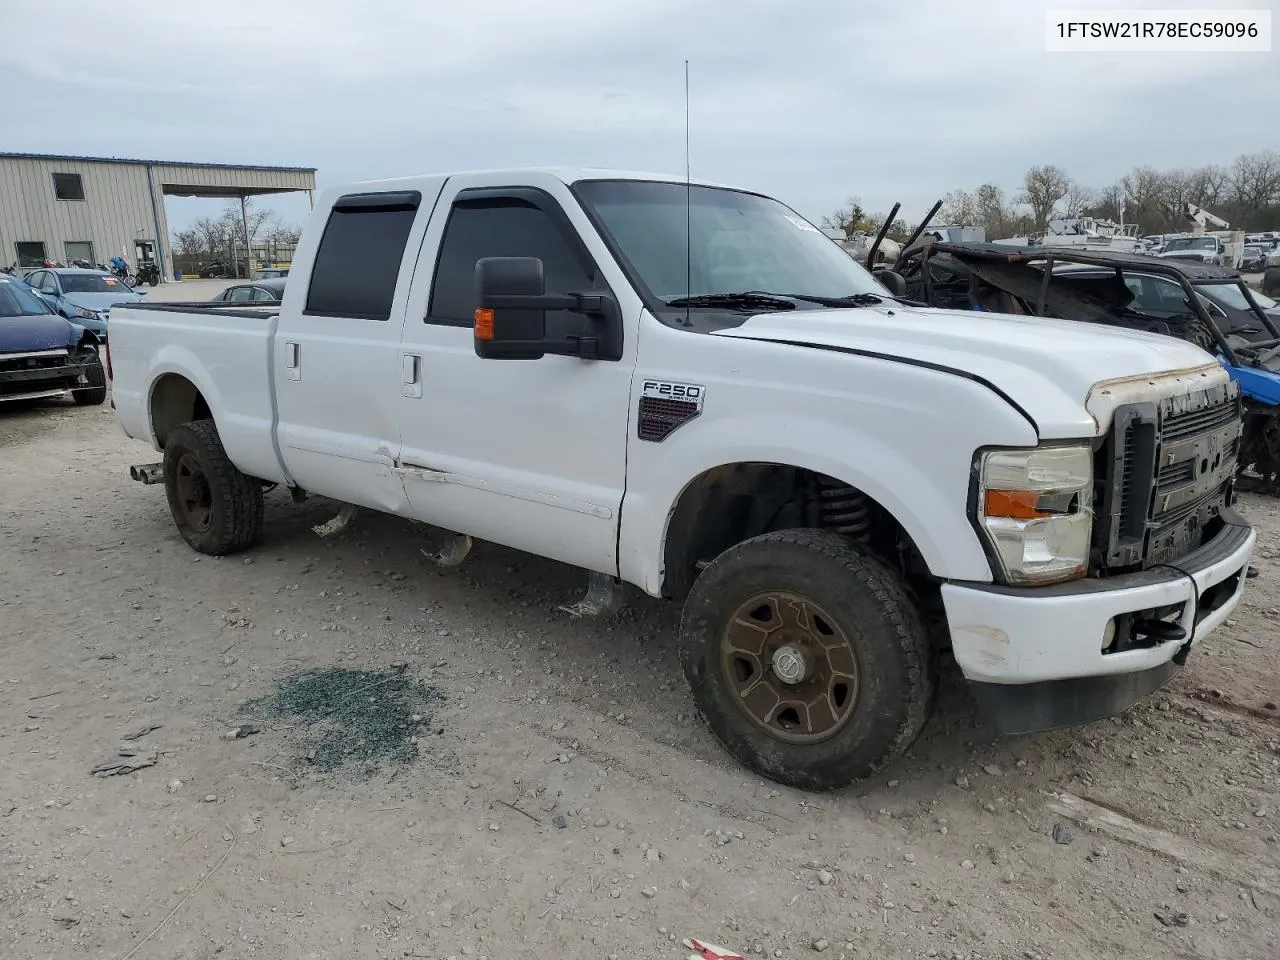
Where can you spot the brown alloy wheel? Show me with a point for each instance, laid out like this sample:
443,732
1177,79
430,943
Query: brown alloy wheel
194,496
792,667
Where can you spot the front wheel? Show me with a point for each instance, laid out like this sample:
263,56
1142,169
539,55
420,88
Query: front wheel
95,394
807,658
217,509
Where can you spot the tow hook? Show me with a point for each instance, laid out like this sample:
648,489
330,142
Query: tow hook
147,472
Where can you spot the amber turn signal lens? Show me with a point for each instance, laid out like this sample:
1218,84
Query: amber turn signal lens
484,323
1014,504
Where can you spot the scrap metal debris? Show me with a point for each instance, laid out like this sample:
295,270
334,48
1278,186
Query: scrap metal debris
709,951
126,761
142,731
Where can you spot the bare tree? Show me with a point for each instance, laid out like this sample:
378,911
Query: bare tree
898,230
959,209
257,220
1255,182
188,243
212,234
1207,186
282,234
1077,199
849,218
1043,187
993,211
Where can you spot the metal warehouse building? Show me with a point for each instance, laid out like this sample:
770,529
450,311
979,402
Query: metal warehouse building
94,208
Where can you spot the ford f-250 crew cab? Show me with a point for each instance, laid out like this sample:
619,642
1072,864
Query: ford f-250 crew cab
689,388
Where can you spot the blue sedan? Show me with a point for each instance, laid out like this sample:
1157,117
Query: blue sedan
85,296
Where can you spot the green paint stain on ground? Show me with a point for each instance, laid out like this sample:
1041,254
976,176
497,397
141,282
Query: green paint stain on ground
359,718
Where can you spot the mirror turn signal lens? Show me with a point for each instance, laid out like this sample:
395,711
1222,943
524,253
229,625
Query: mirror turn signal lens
484,323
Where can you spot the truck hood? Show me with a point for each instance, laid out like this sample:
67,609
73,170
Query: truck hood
1046,367
44,332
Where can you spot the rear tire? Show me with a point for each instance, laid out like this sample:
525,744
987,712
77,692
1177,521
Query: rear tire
807,604
216,508
96,393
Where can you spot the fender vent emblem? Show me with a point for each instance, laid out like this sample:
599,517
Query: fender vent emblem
666,406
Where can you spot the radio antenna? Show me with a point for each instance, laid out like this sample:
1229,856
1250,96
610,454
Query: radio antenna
688,206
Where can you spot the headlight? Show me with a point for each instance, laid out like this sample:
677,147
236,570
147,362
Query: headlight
86,314
1035,508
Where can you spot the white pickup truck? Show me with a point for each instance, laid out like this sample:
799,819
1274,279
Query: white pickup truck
688,388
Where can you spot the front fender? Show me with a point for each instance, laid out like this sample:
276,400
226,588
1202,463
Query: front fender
922,481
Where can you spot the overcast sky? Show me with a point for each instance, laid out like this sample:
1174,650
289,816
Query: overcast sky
809,100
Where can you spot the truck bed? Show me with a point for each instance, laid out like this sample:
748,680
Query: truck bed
227,352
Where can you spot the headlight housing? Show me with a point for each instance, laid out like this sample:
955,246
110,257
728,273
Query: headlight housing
86,314
1035,509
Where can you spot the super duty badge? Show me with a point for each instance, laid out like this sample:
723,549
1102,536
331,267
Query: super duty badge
664,406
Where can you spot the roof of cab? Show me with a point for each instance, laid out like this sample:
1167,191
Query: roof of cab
566,175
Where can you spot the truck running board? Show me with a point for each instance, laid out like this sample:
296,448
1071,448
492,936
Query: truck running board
603,598
147,472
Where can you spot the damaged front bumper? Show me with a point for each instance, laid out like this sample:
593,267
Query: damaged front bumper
1046,657
40,374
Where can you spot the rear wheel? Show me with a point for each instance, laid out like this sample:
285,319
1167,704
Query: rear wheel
807,658
96,392
217,509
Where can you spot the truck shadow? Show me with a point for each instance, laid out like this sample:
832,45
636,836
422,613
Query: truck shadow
626,665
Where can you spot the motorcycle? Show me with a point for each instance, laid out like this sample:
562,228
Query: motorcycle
148,273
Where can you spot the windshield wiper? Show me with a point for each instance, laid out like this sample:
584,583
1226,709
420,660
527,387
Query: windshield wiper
732,300
854,300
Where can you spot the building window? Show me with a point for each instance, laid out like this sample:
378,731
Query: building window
68,186
79,250
30,253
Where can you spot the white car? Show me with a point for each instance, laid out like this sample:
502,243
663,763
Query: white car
688,388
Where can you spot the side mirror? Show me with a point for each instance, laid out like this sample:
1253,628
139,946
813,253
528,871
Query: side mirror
511,312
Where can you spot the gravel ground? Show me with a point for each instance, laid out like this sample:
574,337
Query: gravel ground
560,797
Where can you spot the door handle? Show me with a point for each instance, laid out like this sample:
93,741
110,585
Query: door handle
293,359
411,375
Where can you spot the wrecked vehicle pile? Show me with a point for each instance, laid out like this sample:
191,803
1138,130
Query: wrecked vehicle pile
1207,305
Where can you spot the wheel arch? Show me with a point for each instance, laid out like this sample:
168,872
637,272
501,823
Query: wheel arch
175,399
732,502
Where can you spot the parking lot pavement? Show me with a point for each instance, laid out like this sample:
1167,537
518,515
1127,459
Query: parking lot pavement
347,752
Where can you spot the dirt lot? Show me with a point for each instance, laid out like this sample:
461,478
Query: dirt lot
559,797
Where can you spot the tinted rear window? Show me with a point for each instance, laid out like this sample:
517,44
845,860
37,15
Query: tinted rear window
359,257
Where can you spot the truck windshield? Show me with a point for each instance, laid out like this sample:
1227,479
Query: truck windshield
741,242
16,301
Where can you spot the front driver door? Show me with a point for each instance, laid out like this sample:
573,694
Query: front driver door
527,453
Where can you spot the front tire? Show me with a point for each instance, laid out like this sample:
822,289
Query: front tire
96,393
807,658
216,508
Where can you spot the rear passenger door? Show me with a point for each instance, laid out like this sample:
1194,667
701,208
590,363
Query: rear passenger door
336,358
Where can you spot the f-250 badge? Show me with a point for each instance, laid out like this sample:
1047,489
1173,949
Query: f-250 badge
664,406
